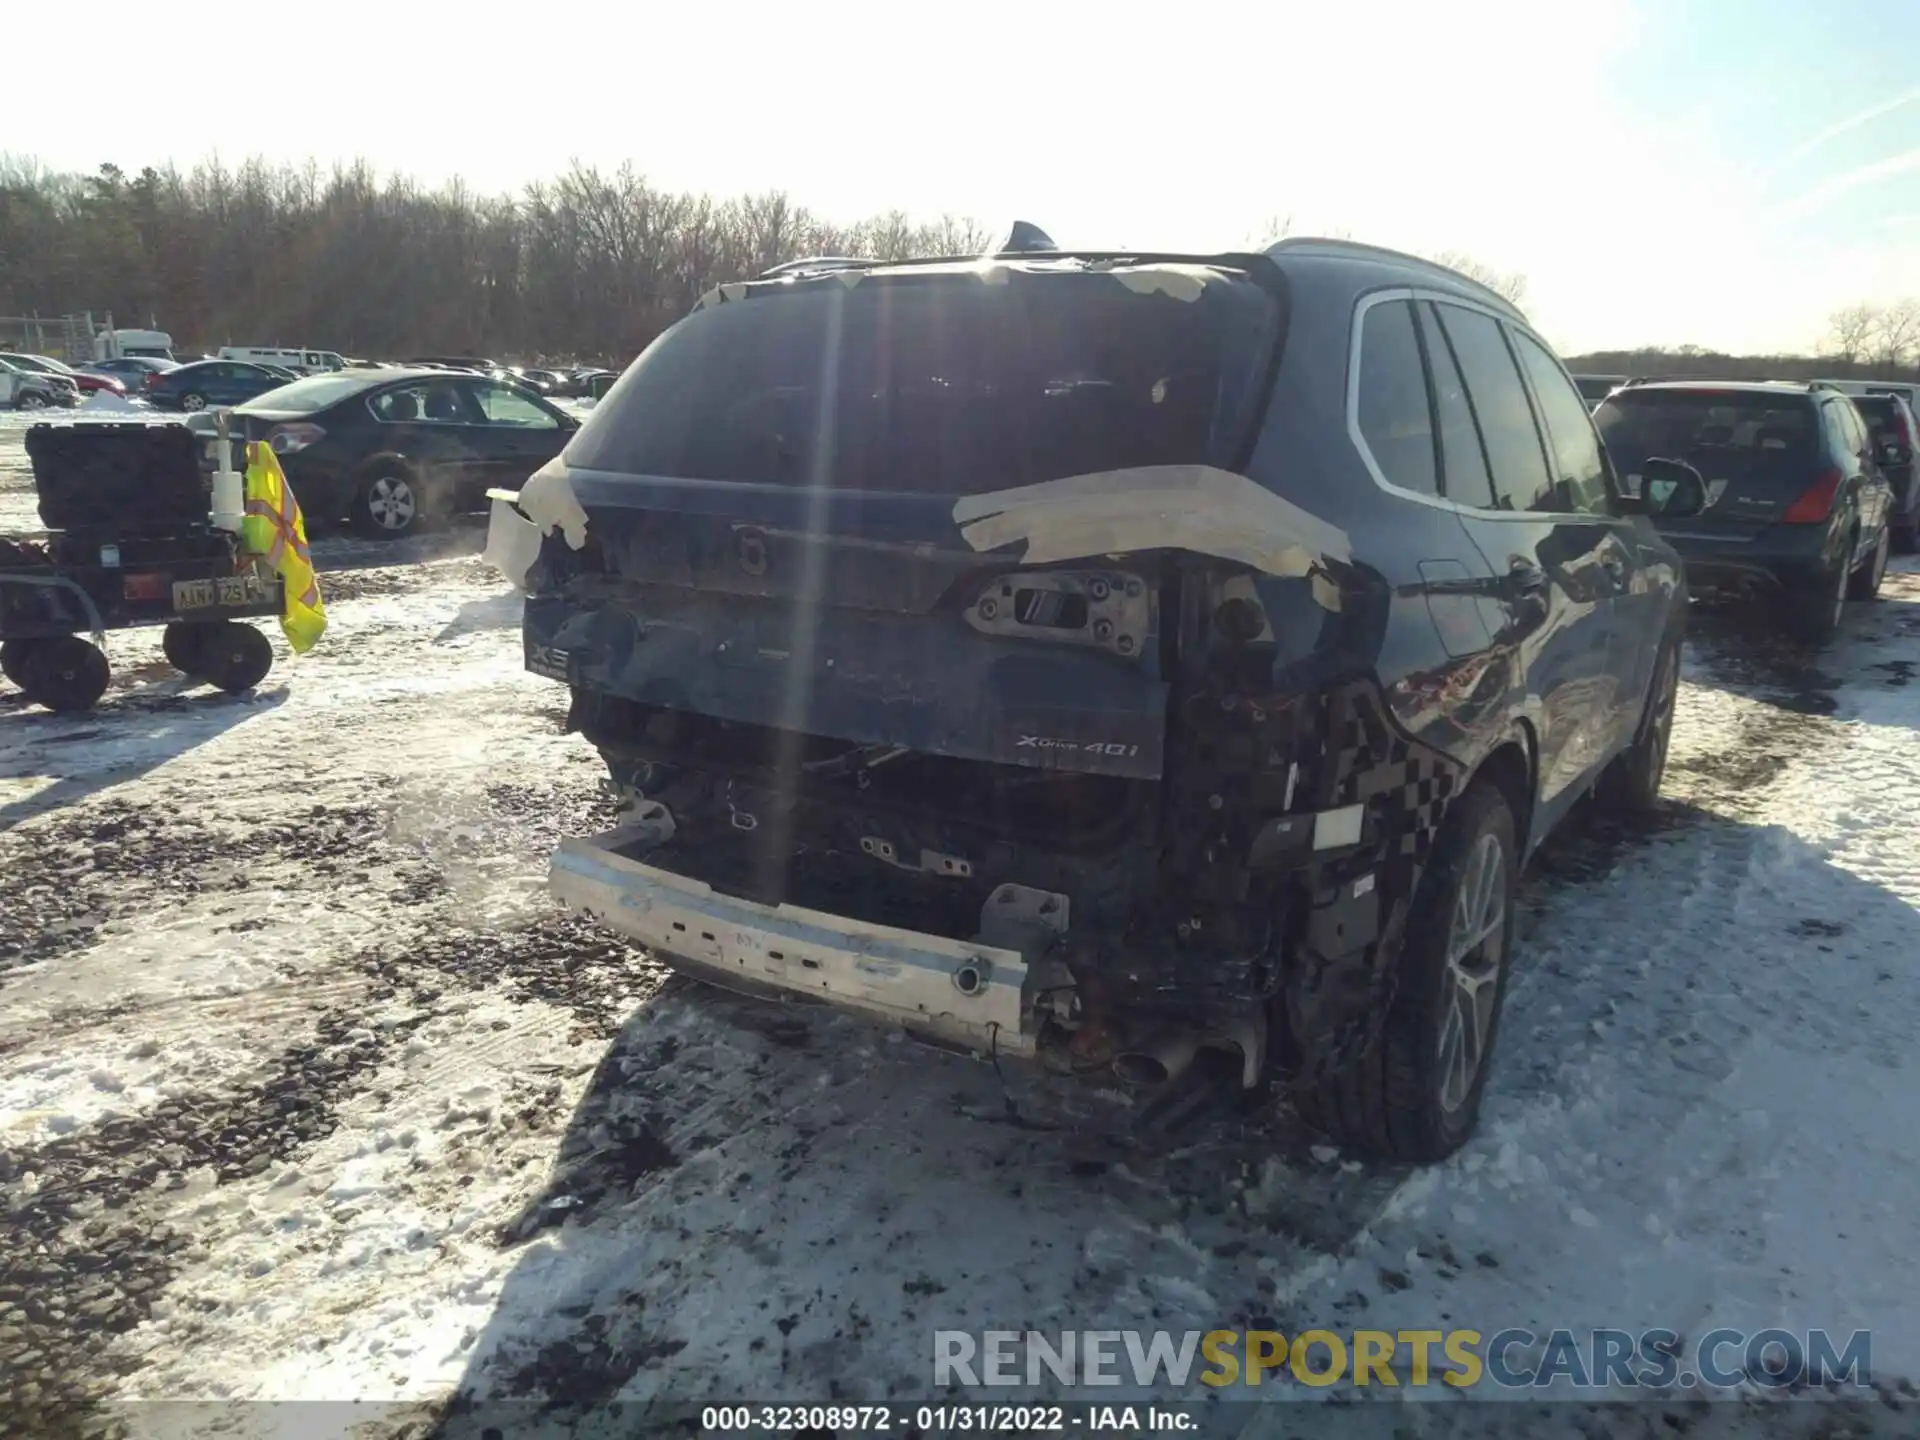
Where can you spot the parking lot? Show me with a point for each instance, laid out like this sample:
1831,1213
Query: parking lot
308,1090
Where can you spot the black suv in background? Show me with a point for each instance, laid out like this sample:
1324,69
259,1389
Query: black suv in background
1153,665
1595,388
1895,437
1796,505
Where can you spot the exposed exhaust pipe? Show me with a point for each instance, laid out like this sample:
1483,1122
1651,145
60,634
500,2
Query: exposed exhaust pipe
1161,1061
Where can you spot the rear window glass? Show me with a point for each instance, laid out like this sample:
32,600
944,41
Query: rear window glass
303,397
941,384
1723,434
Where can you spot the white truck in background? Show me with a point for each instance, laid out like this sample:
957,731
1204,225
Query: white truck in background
301,362
142,344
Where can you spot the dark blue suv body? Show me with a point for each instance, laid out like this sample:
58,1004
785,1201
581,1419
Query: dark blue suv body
1153,664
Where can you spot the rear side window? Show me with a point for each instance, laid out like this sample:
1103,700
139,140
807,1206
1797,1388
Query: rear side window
1579,471
1462,456
1746,436
437,400
942,384
1501,406
1391,398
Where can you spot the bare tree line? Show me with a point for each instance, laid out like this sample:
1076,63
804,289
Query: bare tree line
589,264
1885,335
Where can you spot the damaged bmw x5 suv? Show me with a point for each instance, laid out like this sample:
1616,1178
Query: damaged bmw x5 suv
1119,661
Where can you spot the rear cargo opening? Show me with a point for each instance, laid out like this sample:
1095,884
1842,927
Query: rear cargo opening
819,686
771,497
946,380
884,834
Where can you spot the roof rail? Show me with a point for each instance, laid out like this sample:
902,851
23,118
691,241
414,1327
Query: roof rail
1333,247
819,265
1809,385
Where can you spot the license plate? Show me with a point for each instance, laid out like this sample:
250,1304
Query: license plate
222,590
547,661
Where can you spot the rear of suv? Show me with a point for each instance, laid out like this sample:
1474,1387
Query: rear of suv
1151,666
1796,505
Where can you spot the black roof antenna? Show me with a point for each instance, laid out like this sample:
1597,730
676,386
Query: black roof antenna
1023,235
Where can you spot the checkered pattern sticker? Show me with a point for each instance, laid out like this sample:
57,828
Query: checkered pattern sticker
1406,786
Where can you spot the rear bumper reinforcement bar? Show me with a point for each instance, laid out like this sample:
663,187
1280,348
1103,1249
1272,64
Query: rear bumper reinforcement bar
962,992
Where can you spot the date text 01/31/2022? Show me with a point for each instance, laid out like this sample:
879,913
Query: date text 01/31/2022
940,1419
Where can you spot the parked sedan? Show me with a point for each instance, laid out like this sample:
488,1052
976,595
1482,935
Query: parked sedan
47,365
543,382
23,389
130,370
213,382
391,449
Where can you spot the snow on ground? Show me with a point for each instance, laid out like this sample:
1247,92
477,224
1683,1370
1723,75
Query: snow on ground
307,1092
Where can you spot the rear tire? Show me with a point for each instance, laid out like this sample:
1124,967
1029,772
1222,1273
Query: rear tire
1814,612
193,401
181,642
66,673
32,400
233,656
1865,582
1415,1096
1631,784
14,655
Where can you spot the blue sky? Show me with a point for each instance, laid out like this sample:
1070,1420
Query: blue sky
1724,172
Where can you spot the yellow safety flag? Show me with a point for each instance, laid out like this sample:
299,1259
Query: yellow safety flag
272,527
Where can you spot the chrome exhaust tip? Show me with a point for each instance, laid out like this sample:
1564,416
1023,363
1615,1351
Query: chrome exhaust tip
1162,1061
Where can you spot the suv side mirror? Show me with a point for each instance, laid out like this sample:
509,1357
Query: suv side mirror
1671,490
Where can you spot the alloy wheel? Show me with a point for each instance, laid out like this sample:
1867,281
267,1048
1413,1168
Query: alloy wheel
1475,941
391,503
1666,695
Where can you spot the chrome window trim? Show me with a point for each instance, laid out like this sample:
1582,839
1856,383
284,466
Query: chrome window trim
1359,441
